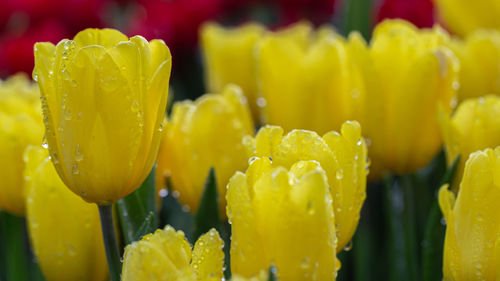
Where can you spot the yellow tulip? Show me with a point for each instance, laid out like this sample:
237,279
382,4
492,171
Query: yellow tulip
103,98
342,156
20,125
166,255
308,80
283,218
472,240
408,74
203,134
64,230
474,126
464,16
229,58
479,56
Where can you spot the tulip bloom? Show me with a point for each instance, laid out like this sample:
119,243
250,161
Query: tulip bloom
283,218
229,58
479,55
64,230
103,98
203,134
472,243
408,74
474,126
464,16
20,125
342,156
166,255
308,80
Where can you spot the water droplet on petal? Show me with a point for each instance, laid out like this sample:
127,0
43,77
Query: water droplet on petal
348,246
339,174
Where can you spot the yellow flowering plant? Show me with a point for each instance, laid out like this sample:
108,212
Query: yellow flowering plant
173,185
64,230
203,134
471,247
103,99
224,46
20,125
464,17
479,55
343,157
408,74
266,202
307,79
474,126
166,255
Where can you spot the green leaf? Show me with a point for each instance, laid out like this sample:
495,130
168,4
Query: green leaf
432,245
207,216
15,254
358,17
137,211
146,226
402,233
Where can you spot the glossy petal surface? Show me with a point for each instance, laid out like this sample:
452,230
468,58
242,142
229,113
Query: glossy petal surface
203,134
307,79
229,59
64,230
166,255
473,221
409,74
20,125
474,126
284,218
342,156
103,98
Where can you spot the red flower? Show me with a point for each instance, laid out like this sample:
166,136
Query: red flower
419,12
16,49
175,21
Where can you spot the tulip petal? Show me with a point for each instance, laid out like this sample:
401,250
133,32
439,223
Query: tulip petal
208,258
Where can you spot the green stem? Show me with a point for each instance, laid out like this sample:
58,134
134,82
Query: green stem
110,242
16,252
358,17
400,212
433,246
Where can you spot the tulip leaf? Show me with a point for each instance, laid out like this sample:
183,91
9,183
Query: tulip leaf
207,216
358,17
16,252
402,233
146,226
134,211
432,245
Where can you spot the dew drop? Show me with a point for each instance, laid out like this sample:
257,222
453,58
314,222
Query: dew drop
78,154
339,174
251,160
163,192
261,102
348,246
75,169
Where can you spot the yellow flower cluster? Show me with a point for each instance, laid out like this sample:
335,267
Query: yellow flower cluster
292,192
190,146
